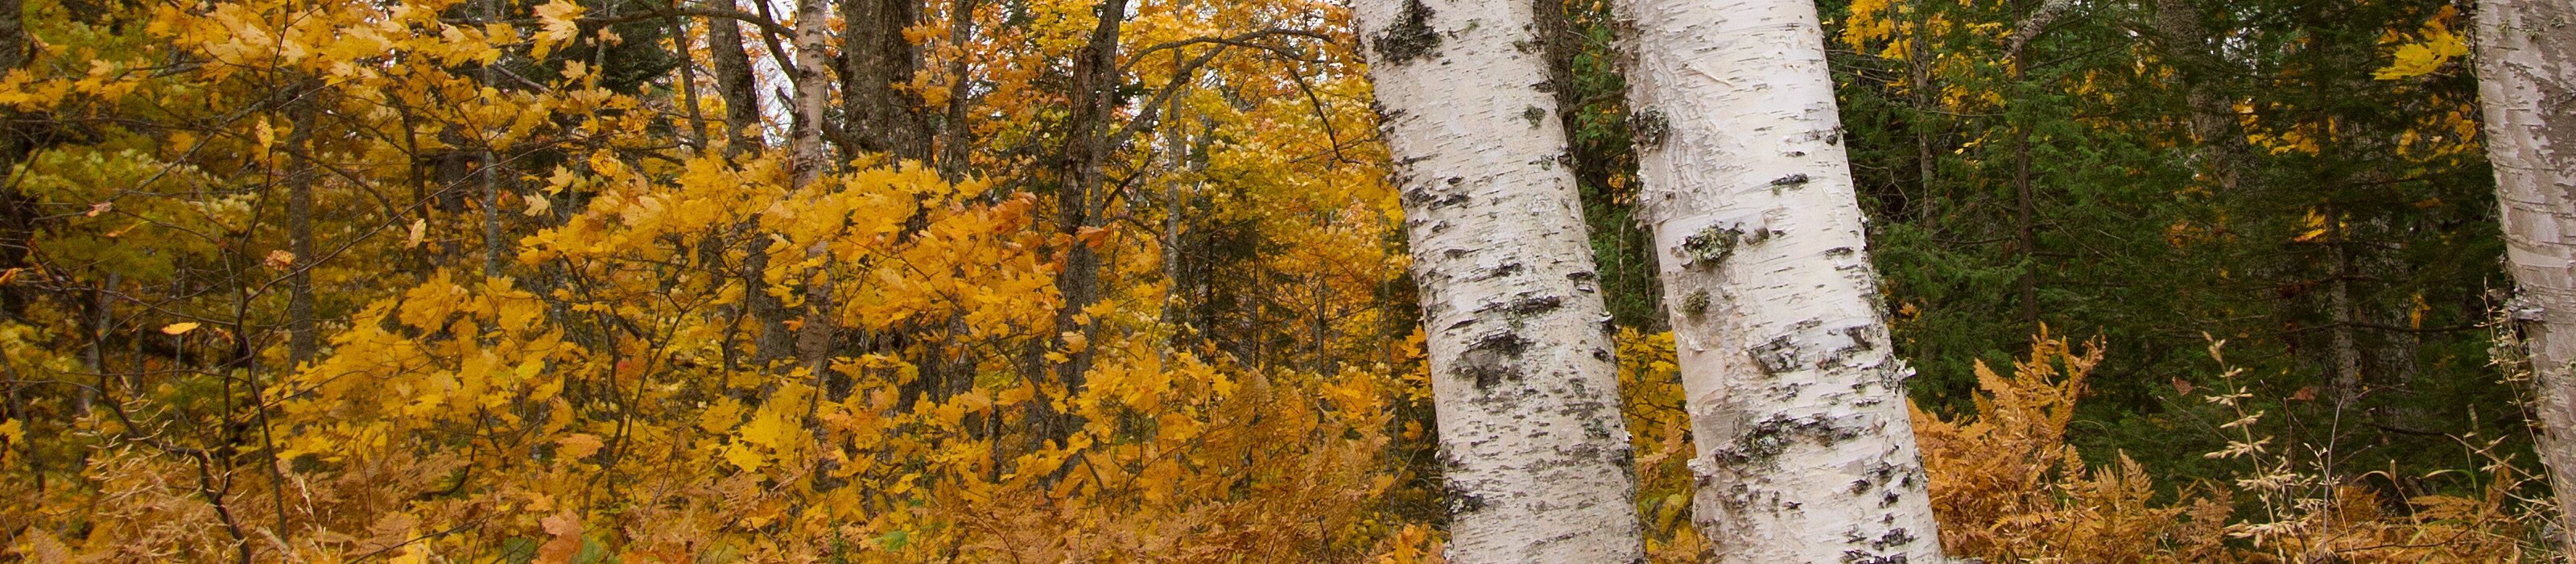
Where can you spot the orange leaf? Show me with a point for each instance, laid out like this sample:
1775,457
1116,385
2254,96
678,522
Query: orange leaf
566,527
577,446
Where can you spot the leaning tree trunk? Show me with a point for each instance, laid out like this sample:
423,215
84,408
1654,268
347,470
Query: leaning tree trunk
2526,57
1522,381
1797,404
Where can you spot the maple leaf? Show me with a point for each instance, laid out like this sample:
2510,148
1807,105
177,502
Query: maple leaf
180,328
577,446
2424,57
557,18
566,528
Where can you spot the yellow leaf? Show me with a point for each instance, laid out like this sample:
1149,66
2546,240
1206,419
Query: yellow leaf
557,17
279,259
577,445
2420,58
537,204
179,328
419,230
566,527
743,457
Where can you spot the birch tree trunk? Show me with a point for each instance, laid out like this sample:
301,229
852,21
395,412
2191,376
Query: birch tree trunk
1797,404
806,161
1523,386
2526,59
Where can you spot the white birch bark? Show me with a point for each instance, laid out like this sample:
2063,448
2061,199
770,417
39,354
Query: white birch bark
2526,59
1797,404
806,159
1535,451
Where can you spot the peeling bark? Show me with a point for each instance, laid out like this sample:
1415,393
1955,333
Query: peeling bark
1797,403
2526,59
807,160
1523,384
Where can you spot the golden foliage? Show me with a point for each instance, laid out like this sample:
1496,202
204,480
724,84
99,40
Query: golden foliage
2007,488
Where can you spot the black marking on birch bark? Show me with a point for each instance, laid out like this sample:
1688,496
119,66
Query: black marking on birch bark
1894,537
1859,337
1534,116
1855,556
1774,357
1410,38
1767,439
1647,127
1505,269
1840,251
1790,181
1492,359
1787,391
1525,307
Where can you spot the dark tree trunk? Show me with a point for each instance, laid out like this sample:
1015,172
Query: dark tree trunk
741,91
1079,176
876,61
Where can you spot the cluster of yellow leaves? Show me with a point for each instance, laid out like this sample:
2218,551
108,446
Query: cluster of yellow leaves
2428,51
1659,427
597,394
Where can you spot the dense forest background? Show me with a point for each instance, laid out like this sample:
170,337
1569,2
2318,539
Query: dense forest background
1058,280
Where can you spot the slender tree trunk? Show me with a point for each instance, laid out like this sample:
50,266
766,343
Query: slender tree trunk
1797,403
487,171
876,59
685,79
1091,98
1523,386
302,340
740,91
2026,229
807,159
2526,58
2342,338
953,132
17,211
